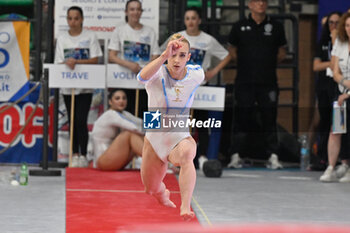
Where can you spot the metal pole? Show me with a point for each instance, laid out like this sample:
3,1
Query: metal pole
37,62
45,87
296,76
45,171
241,9
171,17
282,6
181,12
205,15
50,59
213,28
295,67
49,34
55,125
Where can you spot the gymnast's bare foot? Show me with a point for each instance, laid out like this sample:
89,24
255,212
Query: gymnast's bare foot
164,199
186,214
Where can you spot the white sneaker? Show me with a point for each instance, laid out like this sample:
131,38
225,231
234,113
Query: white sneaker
129,165
75,161
329,175
137,162
341,170
345,178
83,161
236,161
201,160
273,162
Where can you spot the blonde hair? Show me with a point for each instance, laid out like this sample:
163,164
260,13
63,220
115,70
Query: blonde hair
178,36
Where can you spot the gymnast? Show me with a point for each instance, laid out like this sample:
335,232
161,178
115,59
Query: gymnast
117,135
170,87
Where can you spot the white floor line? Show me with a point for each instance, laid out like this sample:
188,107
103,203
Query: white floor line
295,178
243,175
110,191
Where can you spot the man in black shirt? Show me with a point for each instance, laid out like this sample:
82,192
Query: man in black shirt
257,44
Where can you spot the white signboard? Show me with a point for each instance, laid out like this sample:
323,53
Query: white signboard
101,16
83,76
209,98
121,77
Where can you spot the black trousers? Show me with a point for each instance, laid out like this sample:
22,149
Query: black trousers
326,90
81,110
252,101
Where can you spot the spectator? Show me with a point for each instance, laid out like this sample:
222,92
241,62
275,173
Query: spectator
117,135
133,45
257,43
203,48
78,46
341,74
325,87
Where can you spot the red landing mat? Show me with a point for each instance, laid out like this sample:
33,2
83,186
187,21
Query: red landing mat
98,201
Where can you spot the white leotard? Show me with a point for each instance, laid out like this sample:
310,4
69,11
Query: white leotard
170,96
108,126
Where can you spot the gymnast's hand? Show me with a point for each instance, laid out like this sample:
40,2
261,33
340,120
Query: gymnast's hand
173,47
70,62
209,74
135,67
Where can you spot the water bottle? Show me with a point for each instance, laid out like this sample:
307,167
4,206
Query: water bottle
304,153
23,177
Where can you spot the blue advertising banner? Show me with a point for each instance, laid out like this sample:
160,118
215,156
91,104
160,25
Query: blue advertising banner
21,131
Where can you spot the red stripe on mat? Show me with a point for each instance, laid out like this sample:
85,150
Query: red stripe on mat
98,201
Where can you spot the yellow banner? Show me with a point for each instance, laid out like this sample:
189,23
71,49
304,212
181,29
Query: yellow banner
22,30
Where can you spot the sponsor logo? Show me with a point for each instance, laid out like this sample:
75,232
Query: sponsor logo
14,118
4,58
4,37
268,29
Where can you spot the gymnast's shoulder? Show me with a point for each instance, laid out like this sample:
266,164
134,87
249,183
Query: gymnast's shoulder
196,70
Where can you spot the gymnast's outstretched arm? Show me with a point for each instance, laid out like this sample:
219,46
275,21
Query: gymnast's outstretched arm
151,68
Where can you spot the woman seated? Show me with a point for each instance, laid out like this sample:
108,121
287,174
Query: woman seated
117,135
